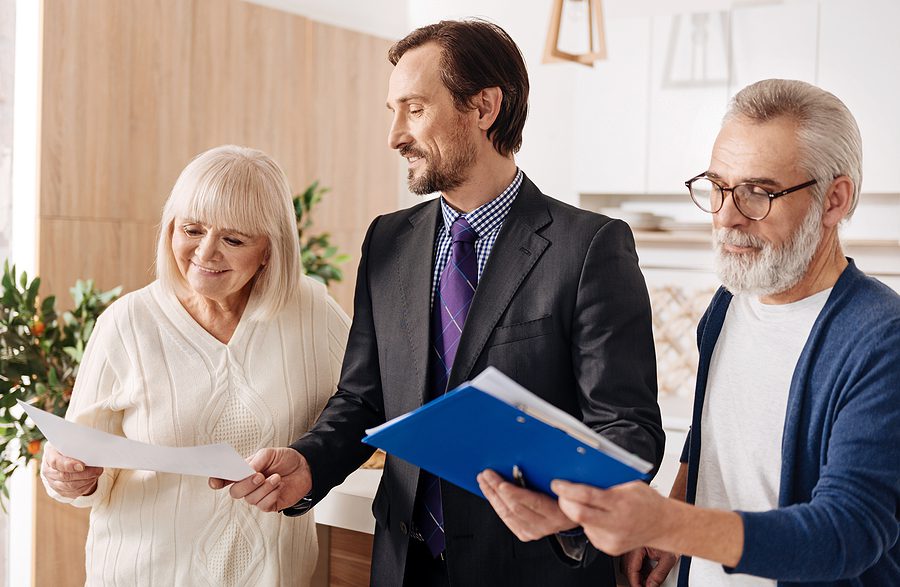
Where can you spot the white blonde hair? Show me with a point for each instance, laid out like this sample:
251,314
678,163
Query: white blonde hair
244,190
830,143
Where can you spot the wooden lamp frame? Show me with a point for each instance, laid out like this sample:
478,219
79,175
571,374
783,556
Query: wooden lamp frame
552,53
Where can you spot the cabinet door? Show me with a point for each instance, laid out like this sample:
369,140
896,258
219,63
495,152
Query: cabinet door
689,75
773,41
611,112
859,57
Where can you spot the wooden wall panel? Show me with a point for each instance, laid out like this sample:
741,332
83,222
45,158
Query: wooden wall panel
348,146
133,89
350,558
96,247
115,107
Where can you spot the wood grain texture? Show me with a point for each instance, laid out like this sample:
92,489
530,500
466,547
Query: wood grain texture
133,89
58,524
350,558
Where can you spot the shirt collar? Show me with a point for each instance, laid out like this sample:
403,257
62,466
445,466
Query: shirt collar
487,217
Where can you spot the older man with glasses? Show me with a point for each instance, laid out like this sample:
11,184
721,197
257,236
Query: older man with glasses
791,471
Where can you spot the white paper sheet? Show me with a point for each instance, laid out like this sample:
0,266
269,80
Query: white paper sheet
495,383
101,449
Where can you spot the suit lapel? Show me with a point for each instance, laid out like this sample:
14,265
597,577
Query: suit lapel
517,249
413,266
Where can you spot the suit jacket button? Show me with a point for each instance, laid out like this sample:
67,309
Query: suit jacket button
403,527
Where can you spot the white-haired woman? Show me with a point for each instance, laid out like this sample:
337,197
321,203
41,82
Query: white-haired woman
230,344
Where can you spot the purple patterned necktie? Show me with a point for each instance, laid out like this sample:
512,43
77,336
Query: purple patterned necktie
448,316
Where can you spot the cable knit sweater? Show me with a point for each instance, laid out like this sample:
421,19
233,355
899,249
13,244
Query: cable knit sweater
151,373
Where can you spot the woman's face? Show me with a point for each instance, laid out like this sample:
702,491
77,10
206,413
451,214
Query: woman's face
217,263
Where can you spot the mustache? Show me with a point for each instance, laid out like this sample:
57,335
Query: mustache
409,150
734,237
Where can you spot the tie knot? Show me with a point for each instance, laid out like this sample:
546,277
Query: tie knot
462,231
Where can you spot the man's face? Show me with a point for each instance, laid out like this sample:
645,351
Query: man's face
768,256
436,139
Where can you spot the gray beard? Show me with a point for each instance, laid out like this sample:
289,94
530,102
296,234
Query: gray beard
771,270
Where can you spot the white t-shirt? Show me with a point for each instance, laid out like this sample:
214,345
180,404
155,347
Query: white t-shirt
743,415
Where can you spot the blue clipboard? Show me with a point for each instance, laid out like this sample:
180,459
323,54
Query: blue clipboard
468,430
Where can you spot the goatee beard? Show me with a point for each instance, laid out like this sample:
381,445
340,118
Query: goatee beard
452,172
770,270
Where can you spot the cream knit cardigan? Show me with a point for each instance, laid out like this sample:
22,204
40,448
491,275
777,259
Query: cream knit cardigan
151,373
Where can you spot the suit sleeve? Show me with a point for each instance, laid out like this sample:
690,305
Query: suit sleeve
332,446
613,354
612,346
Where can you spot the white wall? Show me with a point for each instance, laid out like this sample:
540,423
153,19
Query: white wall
382,18
547,147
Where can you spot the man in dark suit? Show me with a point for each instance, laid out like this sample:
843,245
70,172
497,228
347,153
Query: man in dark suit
492,273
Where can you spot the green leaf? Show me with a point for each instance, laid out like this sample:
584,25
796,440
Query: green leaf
74,353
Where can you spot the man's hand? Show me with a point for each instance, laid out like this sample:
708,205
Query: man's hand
615,520
529,514
282,479
67,476
633,566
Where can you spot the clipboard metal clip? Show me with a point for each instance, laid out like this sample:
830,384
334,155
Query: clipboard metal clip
517,476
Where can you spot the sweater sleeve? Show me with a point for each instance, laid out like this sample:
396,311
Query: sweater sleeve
851,520
338,330
95,385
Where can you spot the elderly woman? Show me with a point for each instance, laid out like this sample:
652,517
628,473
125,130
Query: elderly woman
230,344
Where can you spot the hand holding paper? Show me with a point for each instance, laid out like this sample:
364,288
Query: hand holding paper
100,449
66,476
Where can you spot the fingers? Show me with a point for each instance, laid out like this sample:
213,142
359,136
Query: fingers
265,495
58,467
512,497
71,485
631,566
528,514
578,492
665,564
263,459
272,501
283,477
245,487
216,483
63,464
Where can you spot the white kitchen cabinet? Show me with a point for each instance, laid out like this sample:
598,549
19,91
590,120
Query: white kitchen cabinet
859,57
611,112
773,41
689,74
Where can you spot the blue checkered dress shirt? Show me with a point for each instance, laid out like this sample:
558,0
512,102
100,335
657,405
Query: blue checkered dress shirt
486,220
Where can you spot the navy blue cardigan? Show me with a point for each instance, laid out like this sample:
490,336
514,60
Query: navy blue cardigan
838,515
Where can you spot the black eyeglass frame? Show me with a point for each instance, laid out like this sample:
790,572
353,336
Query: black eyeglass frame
772,195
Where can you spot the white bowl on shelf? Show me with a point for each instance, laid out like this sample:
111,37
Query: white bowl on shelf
636,219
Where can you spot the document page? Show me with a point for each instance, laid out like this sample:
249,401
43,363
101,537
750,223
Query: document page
495,383
101,449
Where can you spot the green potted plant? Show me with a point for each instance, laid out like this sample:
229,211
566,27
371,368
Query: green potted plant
320,257
40,351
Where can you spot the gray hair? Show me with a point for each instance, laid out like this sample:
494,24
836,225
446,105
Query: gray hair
241,189
830,143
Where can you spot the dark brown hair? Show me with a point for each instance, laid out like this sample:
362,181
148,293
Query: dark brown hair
476,54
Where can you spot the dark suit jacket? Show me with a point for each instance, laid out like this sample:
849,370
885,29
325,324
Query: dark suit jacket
561,307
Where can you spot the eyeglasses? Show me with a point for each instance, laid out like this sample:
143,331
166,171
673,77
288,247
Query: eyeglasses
753,201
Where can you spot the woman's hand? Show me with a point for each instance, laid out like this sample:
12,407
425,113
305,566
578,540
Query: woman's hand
68,477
